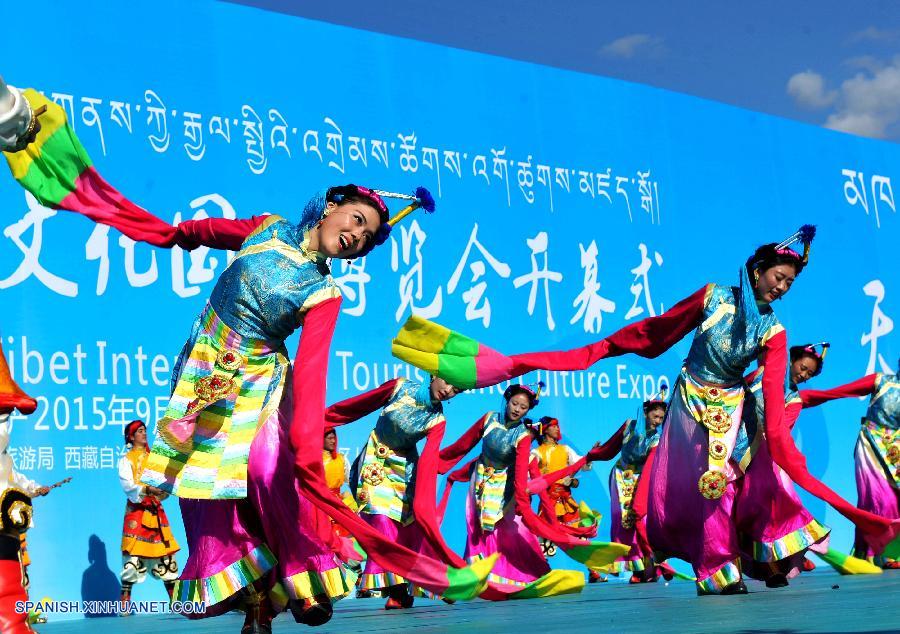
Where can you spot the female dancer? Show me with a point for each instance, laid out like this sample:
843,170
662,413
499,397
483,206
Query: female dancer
393,485
692,485
499,517
775,529
234,443
337,472
877,455
641,436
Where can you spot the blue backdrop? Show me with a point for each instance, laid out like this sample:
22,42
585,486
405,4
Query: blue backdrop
568,206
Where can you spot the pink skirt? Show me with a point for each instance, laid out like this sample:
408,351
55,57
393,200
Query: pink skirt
521,560
375,577
774,527
875,489
680,521
266,540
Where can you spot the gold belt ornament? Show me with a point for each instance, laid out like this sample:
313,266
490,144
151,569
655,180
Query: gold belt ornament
718,422
712,484
716,419
229,360
718,450
373,474
488,475
220,383
213,388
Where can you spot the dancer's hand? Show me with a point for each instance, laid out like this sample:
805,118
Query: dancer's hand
19,124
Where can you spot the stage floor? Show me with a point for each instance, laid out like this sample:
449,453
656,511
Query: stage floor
818,602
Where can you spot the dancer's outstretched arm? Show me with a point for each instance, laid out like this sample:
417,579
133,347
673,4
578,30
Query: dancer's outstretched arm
352,409
464,362
55,168
859,387
454,452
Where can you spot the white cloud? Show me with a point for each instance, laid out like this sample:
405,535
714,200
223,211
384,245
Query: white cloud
808,90
633,45
869,103
864,62
874,34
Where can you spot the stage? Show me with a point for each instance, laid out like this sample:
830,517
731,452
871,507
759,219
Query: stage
818,602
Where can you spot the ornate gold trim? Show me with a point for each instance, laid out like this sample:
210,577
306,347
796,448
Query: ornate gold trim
230,360
716,419
717,449
712,484
373,474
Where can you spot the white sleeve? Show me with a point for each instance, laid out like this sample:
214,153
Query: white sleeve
15,115
571,455
22,482
346,470
574,457
132,489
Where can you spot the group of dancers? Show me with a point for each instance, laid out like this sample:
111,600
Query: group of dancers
248,443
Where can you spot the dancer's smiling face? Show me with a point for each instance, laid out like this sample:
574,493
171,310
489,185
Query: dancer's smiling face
345,229
804,368
774,282
517,407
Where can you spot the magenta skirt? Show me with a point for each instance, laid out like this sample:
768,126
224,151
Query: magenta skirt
266,540
375,577
775,528
521,560
680,521
637,560
874,486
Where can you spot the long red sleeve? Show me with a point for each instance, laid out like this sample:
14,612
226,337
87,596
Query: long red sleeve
548,528
352,409
453,453
649,338
879,530
859,387
791,414
425,507
104,204
640,502
307,429
641,497
216,233
12,592
460,475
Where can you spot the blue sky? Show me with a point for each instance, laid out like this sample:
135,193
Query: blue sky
825,62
